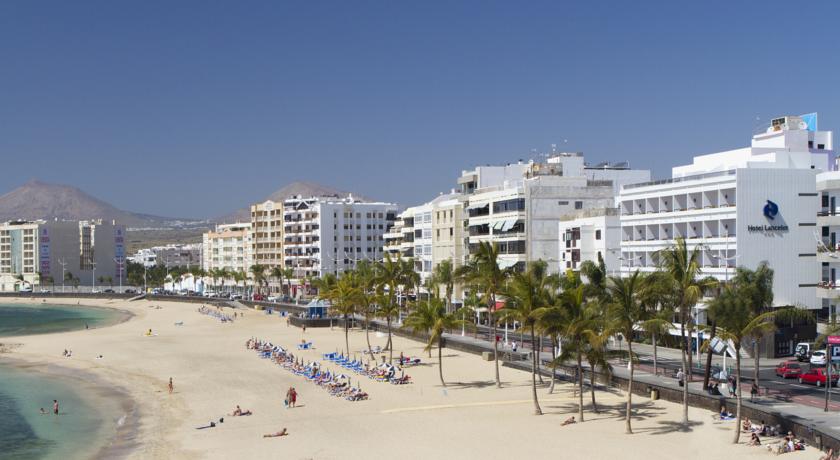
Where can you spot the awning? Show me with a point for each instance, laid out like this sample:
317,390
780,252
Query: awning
509,224
478,206
498,224
506,263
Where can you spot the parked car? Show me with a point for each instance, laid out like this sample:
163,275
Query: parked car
236,297
818,358
45,291
130,291
210,294
108,291
817,376
803,351
271,298
788,369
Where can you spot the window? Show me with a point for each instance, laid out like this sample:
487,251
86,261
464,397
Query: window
598,235
825,231
451,231
810,144
516,204
821,146
825,201
563,203
578,204
437,233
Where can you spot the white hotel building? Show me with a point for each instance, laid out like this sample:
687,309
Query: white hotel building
330,234
741,207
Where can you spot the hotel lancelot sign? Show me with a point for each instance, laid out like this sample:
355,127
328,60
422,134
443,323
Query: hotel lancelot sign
771,210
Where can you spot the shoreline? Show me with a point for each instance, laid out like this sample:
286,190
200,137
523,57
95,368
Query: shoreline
124,440
213,372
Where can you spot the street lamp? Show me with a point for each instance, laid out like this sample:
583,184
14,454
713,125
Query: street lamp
63,264
93,277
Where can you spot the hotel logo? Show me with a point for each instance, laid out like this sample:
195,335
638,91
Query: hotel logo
771,210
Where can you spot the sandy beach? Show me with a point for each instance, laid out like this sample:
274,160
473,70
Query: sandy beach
470,418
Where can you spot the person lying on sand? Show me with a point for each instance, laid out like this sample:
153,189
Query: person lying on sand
569,421
238,412
828,455
283,432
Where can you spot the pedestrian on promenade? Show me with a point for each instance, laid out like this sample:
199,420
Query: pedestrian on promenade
680,377
171,386
753,392
55,406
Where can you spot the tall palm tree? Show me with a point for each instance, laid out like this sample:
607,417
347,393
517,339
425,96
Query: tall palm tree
527,293
366,281
445,275
757,288
258,275
737,321
596,352
388,276
344,298
430,317
683,266
483,270
288,274
576,322
277,272
626,312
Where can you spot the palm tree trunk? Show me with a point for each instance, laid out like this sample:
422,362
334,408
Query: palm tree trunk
440,361
685,371
708,371
592,388
495,342
389,344
367,337
655,368
347,334
580,386
757,357
553,365
629,414
689,375
534,361
738,395
539,350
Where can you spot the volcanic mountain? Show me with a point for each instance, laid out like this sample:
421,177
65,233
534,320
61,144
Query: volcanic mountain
40,200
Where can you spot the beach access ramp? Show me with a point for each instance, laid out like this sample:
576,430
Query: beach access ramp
137,297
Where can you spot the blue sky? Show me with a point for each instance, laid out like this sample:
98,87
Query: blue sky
197,108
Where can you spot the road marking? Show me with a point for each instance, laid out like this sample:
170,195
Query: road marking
800,386
475,404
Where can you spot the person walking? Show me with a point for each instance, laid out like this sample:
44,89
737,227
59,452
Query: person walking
292,397
753,392
171,386
55,406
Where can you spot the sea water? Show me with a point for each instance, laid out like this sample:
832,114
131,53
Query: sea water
87,420
43,319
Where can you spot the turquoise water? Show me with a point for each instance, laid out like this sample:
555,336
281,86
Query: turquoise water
87,420
44,319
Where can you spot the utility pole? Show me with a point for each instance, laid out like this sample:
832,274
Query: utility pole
93,277
63,264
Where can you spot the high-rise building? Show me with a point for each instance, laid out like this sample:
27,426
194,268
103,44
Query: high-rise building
518,207
331,234
228,247
267,233
43,250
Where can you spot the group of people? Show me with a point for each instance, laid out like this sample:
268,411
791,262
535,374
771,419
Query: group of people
217,313
788,444
337,384
384,372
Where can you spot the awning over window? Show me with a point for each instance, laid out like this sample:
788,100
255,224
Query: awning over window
506,263
509,224
478,206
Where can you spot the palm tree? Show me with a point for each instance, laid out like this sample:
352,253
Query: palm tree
288,274
596,352
483,270
576,319
277,272
68,277
258,274
683,266
366,281
626,312
757,288
430,317
445,275
527,293
344,297
389,273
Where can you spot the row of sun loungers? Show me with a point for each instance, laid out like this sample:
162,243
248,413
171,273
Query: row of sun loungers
383,373
225,318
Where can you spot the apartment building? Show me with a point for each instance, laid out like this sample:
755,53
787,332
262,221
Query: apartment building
267,233
332,234
228,247
590,235
40,250
518,207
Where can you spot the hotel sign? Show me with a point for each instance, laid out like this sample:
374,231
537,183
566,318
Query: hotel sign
770,211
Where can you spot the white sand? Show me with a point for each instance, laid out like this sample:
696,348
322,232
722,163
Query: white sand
213,372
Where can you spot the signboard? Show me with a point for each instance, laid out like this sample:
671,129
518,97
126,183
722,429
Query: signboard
833,340
44,252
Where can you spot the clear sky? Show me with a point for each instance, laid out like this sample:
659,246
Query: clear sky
197,108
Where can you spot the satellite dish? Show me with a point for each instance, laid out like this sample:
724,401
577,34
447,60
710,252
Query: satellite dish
803,125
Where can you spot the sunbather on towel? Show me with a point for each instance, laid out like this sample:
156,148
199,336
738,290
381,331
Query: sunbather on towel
282,432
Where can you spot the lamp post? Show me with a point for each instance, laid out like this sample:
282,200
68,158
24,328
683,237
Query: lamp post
63,265
118,260
93,277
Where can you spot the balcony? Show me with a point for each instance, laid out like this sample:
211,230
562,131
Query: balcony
828,219
826,291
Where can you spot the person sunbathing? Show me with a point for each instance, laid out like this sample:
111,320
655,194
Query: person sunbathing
569,421
829,455
282,432
238,412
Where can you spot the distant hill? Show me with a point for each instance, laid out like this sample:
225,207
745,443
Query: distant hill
302,188
40,200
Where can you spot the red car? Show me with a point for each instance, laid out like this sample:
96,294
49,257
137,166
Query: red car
788,369
817,376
